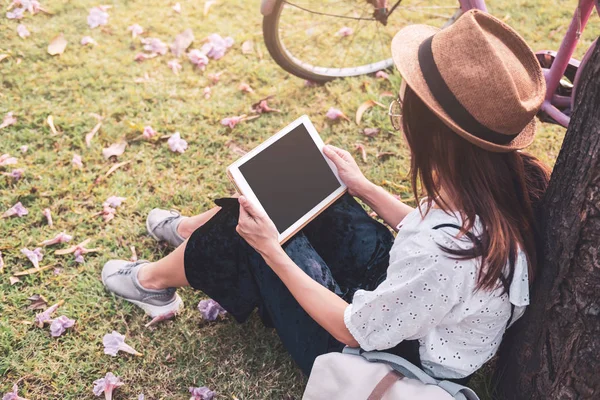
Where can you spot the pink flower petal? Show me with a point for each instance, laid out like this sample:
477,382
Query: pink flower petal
115,342
78,253
16,13
46,316
35,256
216,46
198,58
15,174
97,17
154,45
48,216
335,114
176,143
244,87
210,309
9,119
76,161
382,75
58,239
17,210
345,31
114,201
207,92
201,393
143,56
232,121
22,31
13,395
175,66
107,385
148,132
135,30
59,325
88,40
177,8
24,148
6,159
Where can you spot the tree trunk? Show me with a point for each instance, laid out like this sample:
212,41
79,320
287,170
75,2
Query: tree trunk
554,350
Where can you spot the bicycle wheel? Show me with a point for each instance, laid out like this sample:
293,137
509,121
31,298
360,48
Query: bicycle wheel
320,40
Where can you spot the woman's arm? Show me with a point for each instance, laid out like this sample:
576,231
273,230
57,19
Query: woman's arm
383,203
324,306
389,208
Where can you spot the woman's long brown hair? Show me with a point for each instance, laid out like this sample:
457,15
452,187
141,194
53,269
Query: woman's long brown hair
502,189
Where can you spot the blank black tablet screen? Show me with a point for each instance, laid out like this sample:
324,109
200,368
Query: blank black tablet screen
290,177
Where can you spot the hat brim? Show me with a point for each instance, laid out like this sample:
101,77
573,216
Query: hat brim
405,48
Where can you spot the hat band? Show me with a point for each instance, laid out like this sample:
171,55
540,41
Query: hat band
450,104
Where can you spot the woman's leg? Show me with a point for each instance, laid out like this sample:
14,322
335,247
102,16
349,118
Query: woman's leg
165,273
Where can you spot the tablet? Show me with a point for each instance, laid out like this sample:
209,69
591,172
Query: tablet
288,177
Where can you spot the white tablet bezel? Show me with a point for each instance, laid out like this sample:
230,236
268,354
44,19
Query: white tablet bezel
233,171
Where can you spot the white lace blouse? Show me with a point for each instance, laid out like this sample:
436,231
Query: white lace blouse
431,297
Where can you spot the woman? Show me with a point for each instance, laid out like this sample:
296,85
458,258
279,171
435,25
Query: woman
457,274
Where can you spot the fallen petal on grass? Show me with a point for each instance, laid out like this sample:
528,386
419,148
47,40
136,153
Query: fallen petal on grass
9,119
59,238
345,31
148,132
162,317
216,46
15,174
135,30
107,385
198,58
371,132
46,316
334,114
88,40
210,309
363,151
248,47
114,201
207,92
155,46
245,88
177,8
177,144
17,210
201,393
231,122
115,342
46,212
97,17
13,395
382,75
59,325
6,159
24,148
262,106
175,66
22,31
57,45
76,161
35,255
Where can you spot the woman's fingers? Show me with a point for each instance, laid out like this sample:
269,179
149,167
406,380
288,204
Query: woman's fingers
335,155
247,209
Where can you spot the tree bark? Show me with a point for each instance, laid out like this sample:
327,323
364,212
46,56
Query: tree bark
554,350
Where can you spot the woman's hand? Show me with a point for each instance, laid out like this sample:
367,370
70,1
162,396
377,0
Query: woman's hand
256,228
348,170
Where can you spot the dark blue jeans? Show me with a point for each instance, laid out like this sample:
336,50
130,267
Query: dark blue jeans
343,249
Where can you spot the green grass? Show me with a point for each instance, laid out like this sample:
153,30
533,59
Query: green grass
246,361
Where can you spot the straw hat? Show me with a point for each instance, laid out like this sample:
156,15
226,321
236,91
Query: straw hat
477,75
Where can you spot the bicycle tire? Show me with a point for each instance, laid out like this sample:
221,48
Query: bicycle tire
283,59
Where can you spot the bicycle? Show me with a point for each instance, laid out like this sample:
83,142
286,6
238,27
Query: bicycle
291,28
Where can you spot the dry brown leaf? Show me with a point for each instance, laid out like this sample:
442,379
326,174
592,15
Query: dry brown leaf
33,270
114,150
363,152
110,171
13,280
3,56
371,132
50,121
57,45
38,302
387,93
207,5
364,107
182,42
248,47
89,136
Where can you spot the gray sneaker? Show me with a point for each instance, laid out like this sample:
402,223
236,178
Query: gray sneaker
162,226
120,278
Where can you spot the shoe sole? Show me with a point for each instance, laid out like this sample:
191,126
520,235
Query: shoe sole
174,306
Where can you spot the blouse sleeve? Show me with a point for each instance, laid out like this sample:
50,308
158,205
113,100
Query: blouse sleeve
422,286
